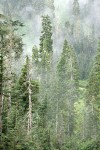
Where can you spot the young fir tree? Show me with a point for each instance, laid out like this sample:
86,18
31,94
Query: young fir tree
67,72
93,96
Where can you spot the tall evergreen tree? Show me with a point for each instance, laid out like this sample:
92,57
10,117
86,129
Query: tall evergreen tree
42,57
44,66
76,19
93,96
67,72
45,50
11,47
3,32
24,104
23,85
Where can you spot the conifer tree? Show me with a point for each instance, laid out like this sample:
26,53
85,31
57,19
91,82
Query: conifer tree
45,50
24,105
76,18
44,64
36,61
23,85
67,72
42,57
11,46
35,56
93,96
2,35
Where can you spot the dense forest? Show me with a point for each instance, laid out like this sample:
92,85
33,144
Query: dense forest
49,75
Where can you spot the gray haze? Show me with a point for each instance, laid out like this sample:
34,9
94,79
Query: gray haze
62,14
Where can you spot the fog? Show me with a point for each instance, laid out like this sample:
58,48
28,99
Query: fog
62,13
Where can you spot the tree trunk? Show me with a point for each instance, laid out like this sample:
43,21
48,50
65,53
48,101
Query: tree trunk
1,82
57,120
0,113
30,103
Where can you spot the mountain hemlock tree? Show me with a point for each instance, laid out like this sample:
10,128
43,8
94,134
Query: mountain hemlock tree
93,98
67,72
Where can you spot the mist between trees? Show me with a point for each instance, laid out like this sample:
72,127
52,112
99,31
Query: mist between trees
49,75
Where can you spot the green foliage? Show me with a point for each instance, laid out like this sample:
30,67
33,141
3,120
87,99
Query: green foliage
67,74
60,114
93,96
23,84
43,131
90,145
45,51
94,87
10,47
9,36
35,56
67,67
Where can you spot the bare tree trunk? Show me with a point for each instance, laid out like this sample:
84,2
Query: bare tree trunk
1,82
57,120
9,65
30,109
0,113
30,102
83,132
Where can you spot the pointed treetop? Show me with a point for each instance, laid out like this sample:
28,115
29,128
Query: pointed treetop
65,44
76,8
27,58
67,47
